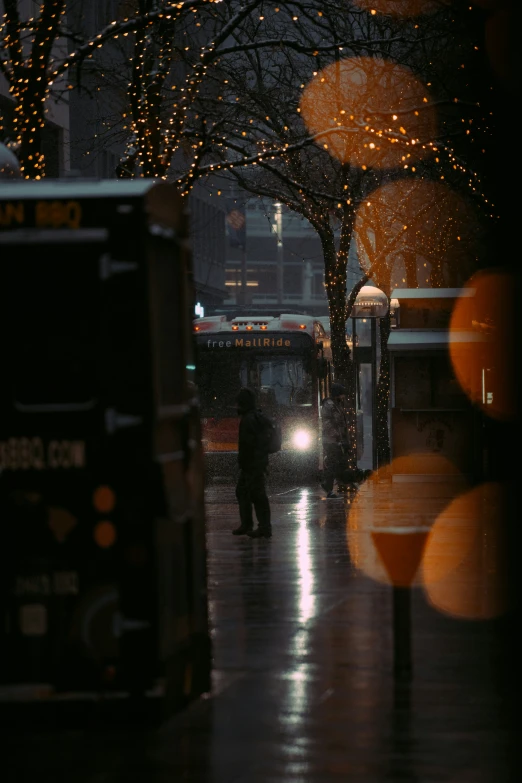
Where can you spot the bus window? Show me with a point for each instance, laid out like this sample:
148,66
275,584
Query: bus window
219,379
55,329
279,382
288,378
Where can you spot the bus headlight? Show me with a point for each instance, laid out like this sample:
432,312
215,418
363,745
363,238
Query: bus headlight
301,439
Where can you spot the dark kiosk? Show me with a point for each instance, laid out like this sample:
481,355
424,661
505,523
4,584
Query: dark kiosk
103,557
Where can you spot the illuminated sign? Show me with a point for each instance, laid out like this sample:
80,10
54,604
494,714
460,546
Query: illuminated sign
222,341
41,214
369,309
250,342
34,454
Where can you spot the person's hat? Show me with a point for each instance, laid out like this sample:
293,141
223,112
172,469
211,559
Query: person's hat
337,389
246,399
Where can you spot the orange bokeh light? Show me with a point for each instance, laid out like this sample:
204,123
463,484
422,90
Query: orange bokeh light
484,366
104,499
388,523
464,568
418,224
369,112
105,534
424,463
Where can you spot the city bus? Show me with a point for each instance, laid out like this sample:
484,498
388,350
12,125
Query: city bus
103,557
287,361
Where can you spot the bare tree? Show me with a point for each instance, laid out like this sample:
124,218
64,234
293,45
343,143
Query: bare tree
325,105
346,107
39,53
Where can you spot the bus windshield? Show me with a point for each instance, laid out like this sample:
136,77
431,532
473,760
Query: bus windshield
280,382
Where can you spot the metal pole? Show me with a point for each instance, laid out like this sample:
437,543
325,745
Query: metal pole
307,282
279,234
243,299
374,392
357,377
402,667
354,365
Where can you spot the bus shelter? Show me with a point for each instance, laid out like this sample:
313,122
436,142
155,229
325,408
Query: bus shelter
435,430
369,307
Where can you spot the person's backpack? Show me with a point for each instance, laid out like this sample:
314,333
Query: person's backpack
270,435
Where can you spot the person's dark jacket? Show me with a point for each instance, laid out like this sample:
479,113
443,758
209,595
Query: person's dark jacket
250,457
335,422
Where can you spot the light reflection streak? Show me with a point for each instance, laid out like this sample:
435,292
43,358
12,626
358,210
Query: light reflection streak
300,642
306,578
297,699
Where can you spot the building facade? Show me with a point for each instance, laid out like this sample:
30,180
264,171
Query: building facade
281,262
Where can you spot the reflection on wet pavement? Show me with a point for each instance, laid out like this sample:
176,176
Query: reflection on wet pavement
303,686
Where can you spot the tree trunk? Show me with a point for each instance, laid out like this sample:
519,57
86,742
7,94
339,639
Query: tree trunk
344,367
382,433
29,79
383,395
30,133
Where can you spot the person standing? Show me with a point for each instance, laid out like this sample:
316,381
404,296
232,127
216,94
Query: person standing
253,465
335,439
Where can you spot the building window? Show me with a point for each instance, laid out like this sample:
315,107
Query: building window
267,279
233,279
318,290
293,279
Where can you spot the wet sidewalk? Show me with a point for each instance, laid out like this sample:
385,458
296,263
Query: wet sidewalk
305,650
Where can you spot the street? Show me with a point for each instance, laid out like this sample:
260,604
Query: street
303,683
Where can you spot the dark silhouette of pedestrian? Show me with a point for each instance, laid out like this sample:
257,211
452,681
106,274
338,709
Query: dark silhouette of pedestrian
253,466
335,440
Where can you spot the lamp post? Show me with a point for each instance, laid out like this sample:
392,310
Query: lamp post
244,294
370,303
278,225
